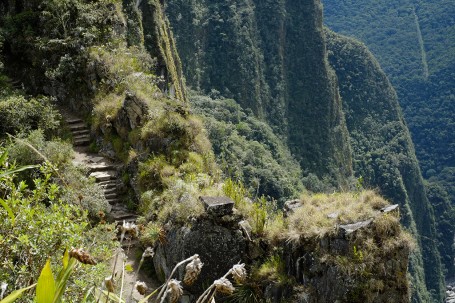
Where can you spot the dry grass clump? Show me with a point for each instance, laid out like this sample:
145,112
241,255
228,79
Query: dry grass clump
321,213
106,108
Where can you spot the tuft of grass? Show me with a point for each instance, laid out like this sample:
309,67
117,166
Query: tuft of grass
106,108
273,269
312,219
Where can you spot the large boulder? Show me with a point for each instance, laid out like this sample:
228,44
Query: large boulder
218,240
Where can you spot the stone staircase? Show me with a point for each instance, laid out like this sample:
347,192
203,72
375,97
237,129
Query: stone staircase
102,169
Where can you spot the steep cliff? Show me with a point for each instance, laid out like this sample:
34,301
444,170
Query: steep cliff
299,97
373,117
414,41
119,66
272,60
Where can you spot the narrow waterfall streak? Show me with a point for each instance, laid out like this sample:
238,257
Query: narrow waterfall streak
422,46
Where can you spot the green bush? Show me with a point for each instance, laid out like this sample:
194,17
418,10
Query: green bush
35,149
35,224
21,115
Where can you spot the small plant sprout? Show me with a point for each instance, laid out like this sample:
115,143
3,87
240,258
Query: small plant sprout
174,290
223,285
192,270
167,285
141,287
82,256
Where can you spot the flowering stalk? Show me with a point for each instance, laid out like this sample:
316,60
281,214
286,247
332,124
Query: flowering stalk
165,288
223,284
148,252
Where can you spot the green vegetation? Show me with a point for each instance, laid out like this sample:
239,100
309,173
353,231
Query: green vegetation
384,154
313,219
36,223
247,149
237,50
89,55
395,31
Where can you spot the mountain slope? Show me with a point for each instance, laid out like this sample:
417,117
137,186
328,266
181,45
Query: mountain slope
275,51
414,42
232,48
373,117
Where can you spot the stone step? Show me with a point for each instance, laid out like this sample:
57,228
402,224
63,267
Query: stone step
81,142
110,190
100,167
74,121
120,215
81,137
113,202
110,196
81,132
103,176
96,159
108,185
118,207
78,126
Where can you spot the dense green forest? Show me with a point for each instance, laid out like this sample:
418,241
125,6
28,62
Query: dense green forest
266,51
415,43
254,101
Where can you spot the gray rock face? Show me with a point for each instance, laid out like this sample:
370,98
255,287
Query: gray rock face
132,114
218,206
218,241
333,268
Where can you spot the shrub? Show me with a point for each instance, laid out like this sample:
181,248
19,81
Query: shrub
82,191
37,223
155,173
21,115
56,152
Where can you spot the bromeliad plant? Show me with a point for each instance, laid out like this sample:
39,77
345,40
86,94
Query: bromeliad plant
49,289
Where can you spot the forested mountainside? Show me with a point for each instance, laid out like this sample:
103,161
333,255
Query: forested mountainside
373,117
414,42
202,177
257,52
247,51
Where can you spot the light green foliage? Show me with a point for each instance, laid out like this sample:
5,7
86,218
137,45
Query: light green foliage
273,269
43,225
76,187
264,217
21,115
248,150
56,152
150,234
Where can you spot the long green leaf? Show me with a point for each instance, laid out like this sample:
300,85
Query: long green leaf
87,294
16,294
9,211
66,258
3,158
16,170
62,279
46,285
